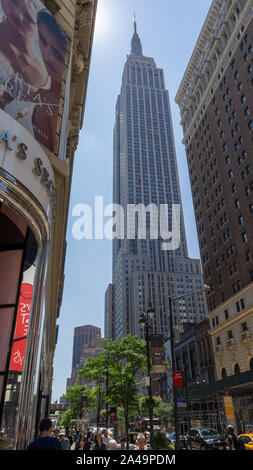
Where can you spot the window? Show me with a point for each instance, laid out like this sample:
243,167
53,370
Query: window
226,314
247,111
218,341
237,204
244,326
243,98
244,237
237,369
223,373
240,220
230,334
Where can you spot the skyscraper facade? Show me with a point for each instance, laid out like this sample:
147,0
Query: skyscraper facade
145,172
83,336
215,100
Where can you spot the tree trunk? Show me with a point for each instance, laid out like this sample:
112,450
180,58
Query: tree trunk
126,425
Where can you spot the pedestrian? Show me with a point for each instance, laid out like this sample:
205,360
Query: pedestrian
142,443
80,444
105,437
88,440
64,441
69,436
233,442
112,445
45,441
99,445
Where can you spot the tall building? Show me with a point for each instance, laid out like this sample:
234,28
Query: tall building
145,172
216,106
43,85
83,336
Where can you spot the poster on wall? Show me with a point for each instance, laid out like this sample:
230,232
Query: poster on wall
33,49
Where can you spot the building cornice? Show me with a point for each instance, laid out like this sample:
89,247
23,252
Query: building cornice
198,50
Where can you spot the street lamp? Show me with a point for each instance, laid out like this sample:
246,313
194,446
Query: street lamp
145,322
173,361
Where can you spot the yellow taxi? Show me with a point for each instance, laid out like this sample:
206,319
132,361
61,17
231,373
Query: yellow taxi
247,439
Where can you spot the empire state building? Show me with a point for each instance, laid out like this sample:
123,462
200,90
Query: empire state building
145,172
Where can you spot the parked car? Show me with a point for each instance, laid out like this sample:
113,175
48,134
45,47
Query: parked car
205,439
247,439
182,439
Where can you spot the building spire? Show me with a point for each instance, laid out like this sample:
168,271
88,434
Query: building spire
136,47
135,27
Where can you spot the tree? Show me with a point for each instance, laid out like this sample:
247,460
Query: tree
145,403
74,396
165,412
95,368
125,357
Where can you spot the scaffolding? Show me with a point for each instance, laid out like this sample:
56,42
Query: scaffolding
206,412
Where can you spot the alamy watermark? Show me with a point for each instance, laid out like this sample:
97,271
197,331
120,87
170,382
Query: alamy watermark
129,223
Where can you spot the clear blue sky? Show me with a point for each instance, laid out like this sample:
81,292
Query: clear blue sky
168,31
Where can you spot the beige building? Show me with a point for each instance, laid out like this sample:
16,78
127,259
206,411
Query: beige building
34,209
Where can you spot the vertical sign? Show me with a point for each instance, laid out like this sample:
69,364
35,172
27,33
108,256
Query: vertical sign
178,379
157,354
23,316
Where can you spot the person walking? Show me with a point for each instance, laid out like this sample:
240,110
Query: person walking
88,441
99,445
142,443
112,445
64,441
80,443
45,441
105,437
233,442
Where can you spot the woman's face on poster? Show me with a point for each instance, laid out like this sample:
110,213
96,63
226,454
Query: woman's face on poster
52,52
22,15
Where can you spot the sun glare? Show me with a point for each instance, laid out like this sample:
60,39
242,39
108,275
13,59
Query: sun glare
102,20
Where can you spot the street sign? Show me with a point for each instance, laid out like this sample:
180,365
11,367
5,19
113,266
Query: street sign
181,403
178,379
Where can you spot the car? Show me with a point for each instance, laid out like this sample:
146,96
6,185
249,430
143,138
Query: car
205,439
247,439
182,439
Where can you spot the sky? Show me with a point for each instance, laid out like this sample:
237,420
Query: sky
168,31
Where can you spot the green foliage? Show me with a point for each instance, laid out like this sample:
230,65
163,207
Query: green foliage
165,412
161,442
145,403
66,417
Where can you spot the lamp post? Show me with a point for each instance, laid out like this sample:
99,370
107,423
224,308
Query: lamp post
173,361
145,322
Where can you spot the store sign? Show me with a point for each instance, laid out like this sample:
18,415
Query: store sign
22,157
178,379
31,76
22,323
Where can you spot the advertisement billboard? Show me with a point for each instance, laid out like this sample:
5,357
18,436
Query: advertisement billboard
157,354
33,49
